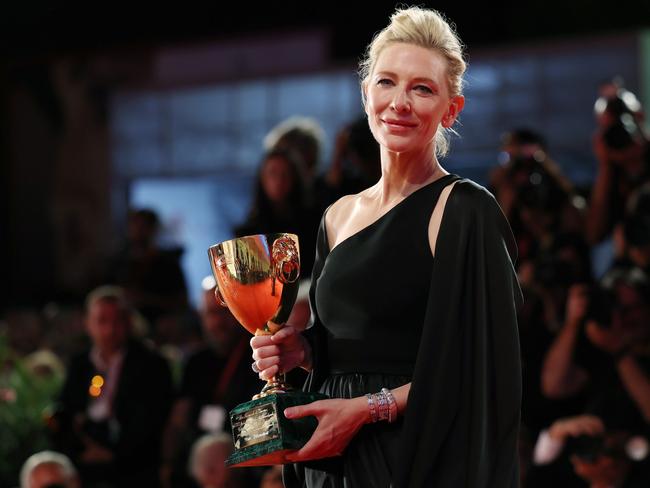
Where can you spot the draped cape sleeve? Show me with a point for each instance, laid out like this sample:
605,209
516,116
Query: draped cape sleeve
462,419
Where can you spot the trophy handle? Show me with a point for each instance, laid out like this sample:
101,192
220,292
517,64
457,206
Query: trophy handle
286,260
219,297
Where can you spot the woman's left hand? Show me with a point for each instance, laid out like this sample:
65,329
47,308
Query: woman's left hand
338,421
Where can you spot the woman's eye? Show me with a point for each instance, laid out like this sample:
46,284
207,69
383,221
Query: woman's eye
423,89
385,82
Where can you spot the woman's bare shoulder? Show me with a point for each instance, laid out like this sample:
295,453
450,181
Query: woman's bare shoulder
340,209
338,214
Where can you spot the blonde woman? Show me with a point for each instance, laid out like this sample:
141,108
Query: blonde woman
413,333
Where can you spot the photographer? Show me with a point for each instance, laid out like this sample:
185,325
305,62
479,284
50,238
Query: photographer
600,359
522,150
623,153
601,457
602,350
601,356
537,198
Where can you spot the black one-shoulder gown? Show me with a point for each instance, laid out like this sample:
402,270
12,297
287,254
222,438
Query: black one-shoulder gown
385,312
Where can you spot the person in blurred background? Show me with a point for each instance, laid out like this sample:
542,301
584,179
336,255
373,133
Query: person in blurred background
607,331
215,379
632,242
207,463
305,138
279,204
622,149
150,275
48,469
538,200
355,160
272,478
115,400
523,152
600,456
355,165
599,365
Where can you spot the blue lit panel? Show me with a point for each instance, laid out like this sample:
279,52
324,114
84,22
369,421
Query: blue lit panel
306,95
195,214
250,148
253,102
139,157
137,115
205,107
205,150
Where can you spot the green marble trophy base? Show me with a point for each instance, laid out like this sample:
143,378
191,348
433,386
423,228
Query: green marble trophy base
263,436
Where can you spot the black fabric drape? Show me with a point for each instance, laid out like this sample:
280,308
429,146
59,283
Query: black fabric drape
462,420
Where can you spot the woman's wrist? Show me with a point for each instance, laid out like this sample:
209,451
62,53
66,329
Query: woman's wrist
382,406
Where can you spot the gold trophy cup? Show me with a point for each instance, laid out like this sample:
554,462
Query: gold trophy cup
257,279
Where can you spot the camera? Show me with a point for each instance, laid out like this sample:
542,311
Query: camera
589,448
617,445
601,305
622,109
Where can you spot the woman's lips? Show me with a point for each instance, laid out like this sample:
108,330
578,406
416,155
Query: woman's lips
399,125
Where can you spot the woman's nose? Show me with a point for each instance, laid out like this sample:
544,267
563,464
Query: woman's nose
401,102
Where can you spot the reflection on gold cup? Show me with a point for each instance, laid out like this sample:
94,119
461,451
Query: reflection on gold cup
257,279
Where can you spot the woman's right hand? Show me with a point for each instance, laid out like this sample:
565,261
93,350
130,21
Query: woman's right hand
280,352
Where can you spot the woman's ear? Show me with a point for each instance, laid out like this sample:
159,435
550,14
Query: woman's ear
456,105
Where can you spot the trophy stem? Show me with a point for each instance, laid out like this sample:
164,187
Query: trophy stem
277,384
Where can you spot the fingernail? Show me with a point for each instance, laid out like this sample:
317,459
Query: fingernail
287,413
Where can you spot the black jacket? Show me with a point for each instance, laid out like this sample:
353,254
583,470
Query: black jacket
140,408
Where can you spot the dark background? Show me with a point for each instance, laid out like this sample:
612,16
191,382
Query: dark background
33,34
33,29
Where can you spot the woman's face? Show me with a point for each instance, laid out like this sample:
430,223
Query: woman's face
277,179
407,98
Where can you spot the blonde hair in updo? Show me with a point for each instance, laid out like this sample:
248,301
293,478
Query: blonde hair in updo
428,29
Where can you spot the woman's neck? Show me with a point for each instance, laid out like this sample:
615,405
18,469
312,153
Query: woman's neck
403,173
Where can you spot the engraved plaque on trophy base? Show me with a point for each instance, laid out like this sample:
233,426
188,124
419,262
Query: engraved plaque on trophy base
263,436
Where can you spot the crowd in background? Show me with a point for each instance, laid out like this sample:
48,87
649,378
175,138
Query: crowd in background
140,384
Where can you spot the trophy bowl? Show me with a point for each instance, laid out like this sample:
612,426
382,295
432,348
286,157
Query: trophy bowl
257,279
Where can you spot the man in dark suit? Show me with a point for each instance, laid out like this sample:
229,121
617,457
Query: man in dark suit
115,400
